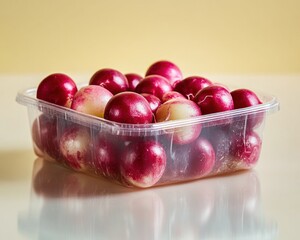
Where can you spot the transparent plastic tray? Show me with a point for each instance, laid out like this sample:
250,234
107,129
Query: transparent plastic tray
100,146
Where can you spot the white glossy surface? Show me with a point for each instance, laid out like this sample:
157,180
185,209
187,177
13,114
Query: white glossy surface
64,204
260,204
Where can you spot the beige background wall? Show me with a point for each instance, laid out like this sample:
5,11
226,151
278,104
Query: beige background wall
216,36
227,40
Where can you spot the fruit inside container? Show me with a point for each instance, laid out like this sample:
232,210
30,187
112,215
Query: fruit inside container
147,131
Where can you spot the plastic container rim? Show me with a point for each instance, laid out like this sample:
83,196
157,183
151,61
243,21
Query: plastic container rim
27,97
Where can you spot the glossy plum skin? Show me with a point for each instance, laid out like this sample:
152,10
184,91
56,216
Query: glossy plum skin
133,80
153,101
171,95
128,107
143,163
75,146
178,159
45,136
155,85
91,100
57,88
166,69
105,160
180,108
177,108
214,99
243,98
190,86
174,145
220,139
202,158
111,79
246,148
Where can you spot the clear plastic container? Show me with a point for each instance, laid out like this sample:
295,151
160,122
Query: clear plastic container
224,142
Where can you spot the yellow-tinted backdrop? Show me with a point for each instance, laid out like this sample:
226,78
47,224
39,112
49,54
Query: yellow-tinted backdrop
215,36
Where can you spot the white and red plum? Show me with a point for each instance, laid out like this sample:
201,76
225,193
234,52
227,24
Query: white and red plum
128,107
57,88
146,130
166,69
178,160
178,109
155,85
143,163
202,158
105,160
171,95
243,98
220,139
45,136
111,79
133,80
245,148
75,147
190,86
153,101
91,100
214,99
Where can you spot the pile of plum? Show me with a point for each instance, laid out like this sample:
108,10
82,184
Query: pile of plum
189,150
